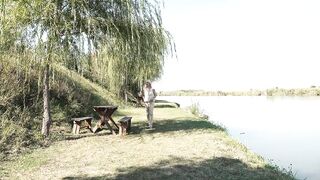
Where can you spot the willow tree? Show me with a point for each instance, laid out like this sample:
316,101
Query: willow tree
129,32
135,62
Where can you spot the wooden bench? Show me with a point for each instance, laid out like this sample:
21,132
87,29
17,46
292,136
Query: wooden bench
82,121
125,125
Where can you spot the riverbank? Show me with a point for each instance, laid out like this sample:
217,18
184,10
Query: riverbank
182,146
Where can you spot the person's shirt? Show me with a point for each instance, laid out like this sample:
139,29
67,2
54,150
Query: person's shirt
149,94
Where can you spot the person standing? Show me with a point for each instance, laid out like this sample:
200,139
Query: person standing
149,95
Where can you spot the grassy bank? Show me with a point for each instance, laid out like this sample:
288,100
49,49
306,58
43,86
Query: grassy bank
21,109
181,147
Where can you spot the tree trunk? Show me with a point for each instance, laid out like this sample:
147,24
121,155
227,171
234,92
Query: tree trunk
125,96
46,122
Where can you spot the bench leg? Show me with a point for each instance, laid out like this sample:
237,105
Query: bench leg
76,127
73,128
120,130
129,125
123,129
88,121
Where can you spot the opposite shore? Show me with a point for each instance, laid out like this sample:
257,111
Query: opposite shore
312,91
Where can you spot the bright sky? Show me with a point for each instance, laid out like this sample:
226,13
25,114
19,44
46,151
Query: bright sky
242,44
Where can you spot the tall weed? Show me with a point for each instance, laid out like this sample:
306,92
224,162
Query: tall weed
195,109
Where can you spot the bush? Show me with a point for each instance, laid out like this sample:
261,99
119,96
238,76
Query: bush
19,106
18,130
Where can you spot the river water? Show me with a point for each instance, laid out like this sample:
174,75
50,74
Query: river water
283,130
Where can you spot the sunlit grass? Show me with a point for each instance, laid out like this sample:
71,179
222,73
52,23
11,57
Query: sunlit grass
182,146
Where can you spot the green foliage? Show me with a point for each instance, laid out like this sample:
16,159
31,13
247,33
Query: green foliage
18,99
18,130
119,44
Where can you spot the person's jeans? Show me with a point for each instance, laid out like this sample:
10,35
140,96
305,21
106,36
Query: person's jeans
149,110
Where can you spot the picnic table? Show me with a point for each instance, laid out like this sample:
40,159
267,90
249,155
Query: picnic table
105,113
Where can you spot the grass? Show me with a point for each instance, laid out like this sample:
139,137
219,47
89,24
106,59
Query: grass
182,146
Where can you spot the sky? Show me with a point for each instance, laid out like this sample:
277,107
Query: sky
242,44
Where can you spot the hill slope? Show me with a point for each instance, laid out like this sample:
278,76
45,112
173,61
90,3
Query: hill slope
21,104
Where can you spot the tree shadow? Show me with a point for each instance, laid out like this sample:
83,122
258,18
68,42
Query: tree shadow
178,124
66,128
166,104
103,132
178,168
161,126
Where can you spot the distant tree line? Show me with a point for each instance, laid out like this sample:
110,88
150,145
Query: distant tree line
312,91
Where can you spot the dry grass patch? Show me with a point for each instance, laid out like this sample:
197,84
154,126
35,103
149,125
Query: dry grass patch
181,147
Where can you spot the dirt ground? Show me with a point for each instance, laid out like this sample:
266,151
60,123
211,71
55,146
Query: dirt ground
180,147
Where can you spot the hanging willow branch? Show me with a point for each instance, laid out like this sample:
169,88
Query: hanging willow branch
118,43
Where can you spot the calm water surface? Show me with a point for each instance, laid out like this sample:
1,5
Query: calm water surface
284,130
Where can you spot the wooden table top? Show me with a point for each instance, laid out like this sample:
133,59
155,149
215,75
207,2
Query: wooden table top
105,109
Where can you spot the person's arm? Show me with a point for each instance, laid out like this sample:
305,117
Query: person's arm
154,93
142,94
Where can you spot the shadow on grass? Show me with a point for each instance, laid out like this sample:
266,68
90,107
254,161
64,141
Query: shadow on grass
177,168
164,126
84,133
166,104
161,126
105,132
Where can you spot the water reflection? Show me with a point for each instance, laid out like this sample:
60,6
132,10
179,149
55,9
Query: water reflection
282,129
